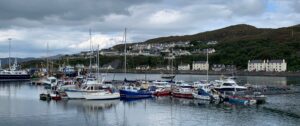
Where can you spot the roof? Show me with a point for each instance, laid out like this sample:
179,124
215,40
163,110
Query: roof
256,61
275,61
200,62
183,64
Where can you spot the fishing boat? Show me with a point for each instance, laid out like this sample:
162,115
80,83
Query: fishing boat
103,95
161,88
162,92
79,93
183,92
130,92
13,74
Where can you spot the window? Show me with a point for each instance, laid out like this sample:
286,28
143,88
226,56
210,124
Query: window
227,84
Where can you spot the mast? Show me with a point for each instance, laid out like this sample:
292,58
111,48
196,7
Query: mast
9,46
47,59
207,65
90,67
125,52
98,62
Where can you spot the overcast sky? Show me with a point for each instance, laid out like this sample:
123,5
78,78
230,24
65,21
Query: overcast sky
65,24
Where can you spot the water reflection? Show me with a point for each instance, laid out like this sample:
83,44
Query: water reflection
20,105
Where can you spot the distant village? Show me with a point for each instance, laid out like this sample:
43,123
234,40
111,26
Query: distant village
171,49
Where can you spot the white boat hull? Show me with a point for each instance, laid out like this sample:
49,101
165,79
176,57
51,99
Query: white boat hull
75,94
101,96
201,97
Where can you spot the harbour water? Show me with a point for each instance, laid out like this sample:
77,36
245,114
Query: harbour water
20,106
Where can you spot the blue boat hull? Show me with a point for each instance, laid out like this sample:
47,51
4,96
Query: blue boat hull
134,95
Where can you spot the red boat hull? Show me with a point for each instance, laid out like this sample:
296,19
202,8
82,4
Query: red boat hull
162,93
180,95
56,97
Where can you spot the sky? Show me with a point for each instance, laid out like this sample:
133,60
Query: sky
65,24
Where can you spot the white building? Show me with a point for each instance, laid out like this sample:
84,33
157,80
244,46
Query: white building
184,67
200,65
276,65
143,67
267,65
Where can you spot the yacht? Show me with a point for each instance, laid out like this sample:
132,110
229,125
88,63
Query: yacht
227,85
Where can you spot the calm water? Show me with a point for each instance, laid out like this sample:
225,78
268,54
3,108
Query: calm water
20,106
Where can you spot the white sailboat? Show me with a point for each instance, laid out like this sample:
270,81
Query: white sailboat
204,89
104,94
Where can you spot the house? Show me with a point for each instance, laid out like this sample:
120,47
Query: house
256,65
200,65
143,67
276,66
184,67
218,67
230,68
212,42
268,66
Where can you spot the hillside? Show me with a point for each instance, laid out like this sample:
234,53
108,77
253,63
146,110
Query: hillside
234,33
236,45
240,43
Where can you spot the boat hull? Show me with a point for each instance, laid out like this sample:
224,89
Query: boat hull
228,89
74,94
162,93
101,96
183,95
201,97
14,77
134,95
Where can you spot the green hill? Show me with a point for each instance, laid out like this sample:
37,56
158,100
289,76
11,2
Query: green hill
239,43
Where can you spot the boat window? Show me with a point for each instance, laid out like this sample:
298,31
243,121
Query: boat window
53,80
227,84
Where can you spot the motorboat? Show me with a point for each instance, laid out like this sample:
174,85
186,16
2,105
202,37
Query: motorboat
101,95
205,92
227,85
79,93
130,92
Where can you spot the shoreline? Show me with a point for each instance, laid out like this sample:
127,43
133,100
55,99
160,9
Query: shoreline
237,73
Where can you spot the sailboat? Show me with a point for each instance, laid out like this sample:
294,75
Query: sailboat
12,74
205,90
104,94
132,92
169,76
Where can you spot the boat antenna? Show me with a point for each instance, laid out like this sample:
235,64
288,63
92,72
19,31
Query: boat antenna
125,51
9,46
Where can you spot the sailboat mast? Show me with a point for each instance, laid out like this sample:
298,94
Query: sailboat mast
47,55
98,62
9,46
207,65
90,67
125,52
